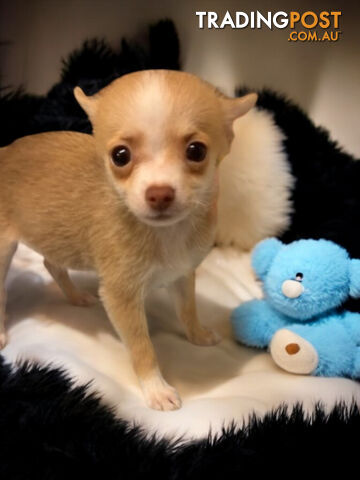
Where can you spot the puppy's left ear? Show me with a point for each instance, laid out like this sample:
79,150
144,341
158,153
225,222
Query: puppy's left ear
87,103
355,278
235,108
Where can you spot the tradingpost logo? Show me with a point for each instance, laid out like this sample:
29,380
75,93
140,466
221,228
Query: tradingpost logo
306,26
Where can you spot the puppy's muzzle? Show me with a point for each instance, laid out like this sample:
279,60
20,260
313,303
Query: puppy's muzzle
160,198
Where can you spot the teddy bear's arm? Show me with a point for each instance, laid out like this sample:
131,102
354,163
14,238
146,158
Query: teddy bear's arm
255,323
327,348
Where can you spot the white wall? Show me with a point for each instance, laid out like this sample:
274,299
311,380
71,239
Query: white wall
324,78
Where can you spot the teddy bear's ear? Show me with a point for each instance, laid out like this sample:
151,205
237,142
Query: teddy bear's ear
263,255
355,278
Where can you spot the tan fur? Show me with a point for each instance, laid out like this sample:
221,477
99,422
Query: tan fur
61,194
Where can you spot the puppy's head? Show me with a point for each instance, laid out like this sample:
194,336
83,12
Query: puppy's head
161,134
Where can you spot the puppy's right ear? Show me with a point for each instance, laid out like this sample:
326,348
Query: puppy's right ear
263,256
87,103
235,108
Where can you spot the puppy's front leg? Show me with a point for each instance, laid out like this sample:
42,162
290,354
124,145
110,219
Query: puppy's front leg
127,314
183,294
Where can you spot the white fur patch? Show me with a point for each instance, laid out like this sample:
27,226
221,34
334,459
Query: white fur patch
178,259
255,183
152,100
218,385
152,103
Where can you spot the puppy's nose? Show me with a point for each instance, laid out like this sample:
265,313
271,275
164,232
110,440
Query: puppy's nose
160,197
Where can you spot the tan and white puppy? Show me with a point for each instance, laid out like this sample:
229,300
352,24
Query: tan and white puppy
136,202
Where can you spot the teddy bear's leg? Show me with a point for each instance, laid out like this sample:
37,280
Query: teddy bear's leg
324,349
356,370
255,323
293,353
352,322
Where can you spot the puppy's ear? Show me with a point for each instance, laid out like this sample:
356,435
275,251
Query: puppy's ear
355,278
87,103
235,108
263,256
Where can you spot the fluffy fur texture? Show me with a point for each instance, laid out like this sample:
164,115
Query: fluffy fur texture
304,284
52,430
325,198
255,183
323,269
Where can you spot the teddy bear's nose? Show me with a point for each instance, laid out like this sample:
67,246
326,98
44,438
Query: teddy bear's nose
292,288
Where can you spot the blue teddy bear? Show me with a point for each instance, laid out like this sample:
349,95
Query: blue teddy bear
301,319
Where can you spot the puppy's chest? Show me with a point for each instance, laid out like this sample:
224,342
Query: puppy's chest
177,257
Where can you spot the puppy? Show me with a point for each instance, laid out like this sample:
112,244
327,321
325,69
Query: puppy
136,202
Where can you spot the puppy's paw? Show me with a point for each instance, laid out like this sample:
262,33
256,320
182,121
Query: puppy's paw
205,337
159,395
82,299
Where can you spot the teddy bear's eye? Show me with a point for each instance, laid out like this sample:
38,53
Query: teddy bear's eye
299,276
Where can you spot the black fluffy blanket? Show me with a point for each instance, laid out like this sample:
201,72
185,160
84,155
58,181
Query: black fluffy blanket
51,430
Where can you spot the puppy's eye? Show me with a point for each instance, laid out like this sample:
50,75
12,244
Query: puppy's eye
121,156
299,276
196,152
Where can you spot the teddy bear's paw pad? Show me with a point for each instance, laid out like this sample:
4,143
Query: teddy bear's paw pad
293,353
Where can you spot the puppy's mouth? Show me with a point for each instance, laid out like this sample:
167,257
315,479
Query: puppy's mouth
163,219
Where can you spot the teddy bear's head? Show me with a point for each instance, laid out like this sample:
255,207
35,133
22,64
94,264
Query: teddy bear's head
307,277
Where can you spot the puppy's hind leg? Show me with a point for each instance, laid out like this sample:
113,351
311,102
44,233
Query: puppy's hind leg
7,251
71,292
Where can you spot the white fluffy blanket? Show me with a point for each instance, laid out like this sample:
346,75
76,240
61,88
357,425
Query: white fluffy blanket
218,384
